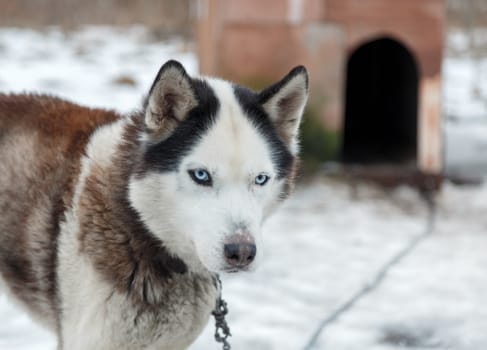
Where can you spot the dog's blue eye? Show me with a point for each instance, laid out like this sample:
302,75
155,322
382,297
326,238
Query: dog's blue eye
201,177
261,179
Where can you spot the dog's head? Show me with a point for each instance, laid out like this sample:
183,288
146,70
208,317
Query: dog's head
217,158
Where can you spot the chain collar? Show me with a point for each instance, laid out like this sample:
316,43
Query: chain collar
222,331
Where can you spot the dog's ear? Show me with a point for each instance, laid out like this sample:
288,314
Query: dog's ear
170,99
284,102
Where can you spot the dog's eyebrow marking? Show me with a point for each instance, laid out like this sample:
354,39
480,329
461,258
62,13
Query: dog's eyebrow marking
282,158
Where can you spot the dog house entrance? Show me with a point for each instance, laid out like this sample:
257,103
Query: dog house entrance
381,105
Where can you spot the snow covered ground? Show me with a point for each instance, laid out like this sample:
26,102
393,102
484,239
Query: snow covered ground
326,243
465,107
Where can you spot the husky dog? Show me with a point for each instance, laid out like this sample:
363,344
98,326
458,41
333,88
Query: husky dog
112,227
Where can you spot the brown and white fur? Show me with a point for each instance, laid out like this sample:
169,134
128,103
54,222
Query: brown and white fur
112,227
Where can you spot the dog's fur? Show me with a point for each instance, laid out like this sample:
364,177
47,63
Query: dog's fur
104,235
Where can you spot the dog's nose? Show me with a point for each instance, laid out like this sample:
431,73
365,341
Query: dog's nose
240,250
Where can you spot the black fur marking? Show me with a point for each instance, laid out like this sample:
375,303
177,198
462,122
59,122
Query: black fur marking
167,264
166,155
250,102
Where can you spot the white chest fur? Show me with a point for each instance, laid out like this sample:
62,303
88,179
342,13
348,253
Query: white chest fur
95,316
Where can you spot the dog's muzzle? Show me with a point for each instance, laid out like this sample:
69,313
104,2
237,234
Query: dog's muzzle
240,250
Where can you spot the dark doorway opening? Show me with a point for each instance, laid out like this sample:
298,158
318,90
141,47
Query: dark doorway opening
381,105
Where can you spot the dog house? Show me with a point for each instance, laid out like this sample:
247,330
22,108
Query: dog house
375,67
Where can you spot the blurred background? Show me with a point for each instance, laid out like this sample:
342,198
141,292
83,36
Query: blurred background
384,244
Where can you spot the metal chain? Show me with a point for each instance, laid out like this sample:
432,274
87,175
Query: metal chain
222,331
